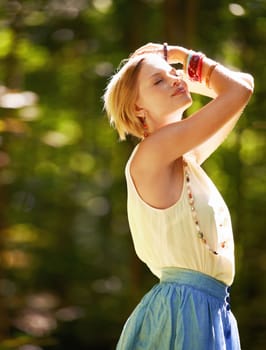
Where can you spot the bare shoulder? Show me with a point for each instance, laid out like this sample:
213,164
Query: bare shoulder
144,159
157,184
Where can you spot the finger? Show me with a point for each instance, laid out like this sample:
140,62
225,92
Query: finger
148,48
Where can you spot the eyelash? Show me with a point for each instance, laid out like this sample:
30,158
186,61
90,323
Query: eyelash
173,73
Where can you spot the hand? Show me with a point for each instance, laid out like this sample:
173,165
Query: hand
176,54
149,48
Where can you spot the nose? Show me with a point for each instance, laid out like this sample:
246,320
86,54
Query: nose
175,78
176,81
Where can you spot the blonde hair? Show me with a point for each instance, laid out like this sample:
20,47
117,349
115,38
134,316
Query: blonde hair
120,99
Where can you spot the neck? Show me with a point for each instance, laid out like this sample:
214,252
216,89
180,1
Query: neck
170,119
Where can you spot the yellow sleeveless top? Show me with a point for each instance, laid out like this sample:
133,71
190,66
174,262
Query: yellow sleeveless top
168,237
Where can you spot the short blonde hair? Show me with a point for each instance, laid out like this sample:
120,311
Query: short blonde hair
120,98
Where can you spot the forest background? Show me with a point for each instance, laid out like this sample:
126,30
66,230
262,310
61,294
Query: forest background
69,276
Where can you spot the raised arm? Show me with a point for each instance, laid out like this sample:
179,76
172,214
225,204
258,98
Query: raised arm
231,92
204,150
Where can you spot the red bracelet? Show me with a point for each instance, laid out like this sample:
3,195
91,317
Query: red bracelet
199,71
194,66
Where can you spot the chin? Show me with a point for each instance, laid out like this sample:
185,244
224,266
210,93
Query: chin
188,102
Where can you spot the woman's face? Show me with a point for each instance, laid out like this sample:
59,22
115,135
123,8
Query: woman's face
162,92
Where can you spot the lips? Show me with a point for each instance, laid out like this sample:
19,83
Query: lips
178,91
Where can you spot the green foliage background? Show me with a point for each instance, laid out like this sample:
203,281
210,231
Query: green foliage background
68,272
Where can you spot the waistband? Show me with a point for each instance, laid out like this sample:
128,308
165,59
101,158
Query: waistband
196,280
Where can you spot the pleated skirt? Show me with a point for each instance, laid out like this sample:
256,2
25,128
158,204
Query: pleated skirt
187,310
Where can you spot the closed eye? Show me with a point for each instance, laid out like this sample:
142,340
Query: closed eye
158,81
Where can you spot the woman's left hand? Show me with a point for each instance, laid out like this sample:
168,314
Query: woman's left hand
153,48
149,48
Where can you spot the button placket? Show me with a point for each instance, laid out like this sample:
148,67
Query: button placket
227,299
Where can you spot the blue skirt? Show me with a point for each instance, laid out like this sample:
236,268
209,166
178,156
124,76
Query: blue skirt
187,310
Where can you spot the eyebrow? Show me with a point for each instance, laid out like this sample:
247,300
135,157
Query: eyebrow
172,70
155,75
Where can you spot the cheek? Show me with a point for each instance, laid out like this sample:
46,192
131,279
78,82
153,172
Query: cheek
148,101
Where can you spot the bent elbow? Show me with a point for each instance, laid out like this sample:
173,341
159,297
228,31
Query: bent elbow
240,95
250,82
245,83
249,91
247,88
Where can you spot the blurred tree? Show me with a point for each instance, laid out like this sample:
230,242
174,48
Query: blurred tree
69,276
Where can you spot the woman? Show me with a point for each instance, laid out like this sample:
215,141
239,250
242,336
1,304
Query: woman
179,222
